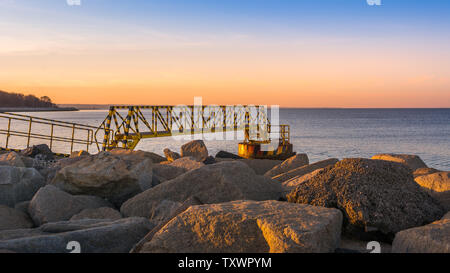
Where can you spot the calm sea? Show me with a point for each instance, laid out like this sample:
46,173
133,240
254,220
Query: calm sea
322,133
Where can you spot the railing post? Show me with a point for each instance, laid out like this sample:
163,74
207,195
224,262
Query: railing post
51,137
8,133
29,133
73,136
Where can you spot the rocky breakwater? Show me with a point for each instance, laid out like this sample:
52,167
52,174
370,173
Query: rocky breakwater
135,201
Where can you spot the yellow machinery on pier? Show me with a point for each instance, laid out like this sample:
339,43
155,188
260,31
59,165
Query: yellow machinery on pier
125,126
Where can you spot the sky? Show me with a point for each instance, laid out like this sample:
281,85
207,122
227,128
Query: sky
292,53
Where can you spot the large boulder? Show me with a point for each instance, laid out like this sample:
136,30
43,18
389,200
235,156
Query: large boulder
98,213
412,161
41,151
163,210
170,155
51,204
20,233
137,155
16,160
261,166
18,184
291,163
432,238
196,149
50,172
250,227
107,237
217,183
114,176
13,219
438,186
379,198
187,163
224,154
300,171
168,172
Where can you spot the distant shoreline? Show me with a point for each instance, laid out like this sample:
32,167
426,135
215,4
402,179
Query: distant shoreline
37,109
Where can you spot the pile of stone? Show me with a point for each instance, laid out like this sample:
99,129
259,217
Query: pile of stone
135,201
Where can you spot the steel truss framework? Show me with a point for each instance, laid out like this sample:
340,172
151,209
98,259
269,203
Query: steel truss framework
125,126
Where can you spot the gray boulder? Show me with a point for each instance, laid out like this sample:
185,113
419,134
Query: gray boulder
224,154
51,204
20,233
23,206
137,155
168,172
196,149
291,163
115,176
379,198
217,183
113,237
16,160
41,151
432,238
261,166
13,219
98,213
412,161
18,184
250,227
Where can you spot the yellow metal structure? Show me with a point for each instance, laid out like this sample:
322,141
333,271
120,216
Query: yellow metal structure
46,132
125,126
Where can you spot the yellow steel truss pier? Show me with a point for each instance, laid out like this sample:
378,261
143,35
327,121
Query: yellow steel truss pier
125,126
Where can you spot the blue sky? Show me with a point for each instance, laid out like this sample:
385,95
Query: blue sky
242,44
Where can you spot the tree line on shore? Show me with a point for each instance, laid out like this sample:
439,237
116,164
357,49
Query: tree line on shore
20,100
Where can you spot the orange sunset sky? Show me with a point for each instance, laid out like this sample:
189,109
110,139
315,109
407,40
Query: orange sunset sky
287,53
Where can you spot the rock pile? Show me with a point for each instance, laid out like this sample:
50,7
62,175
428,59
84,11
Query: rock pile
133,201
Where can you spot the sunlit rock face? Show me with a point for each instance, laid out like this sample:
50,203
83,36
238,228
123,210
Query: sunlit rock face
195,149
250,227
438,186
378,198
412,161
187,163
300,171
116,176
216,183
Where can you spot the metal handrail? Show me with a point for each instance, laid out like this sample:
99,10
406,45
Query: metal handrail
52,125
